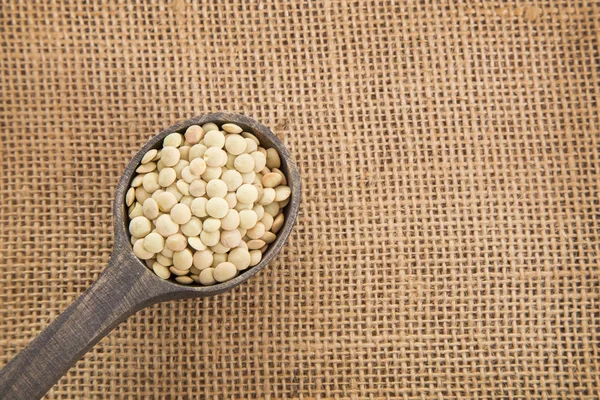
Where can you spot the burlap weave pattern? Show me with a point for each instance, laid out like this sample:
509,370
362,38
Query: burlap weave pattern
448,244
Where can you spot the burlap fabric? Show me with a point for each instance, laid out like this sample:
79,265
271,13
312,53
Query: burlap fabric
448,244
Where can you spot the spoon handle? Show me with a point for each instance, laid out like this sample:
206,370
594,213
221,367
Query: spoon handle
120,291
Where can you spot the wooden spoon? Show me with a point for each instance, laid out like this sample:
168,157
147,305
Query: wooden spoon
127,285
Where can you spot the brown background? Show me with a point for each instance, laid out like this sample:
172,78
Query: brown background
448,245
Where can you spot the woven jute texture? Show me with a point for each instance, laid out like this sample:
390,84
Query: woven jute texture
448,244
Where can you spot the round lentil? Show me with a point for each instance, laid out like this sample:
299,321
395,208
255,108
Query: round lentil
224,272
170,156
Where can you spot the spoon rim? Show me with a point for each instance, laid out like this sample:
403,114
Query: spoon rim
288,167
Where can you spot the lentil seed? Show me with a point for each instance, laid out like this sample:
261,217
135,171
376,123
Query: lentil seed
145,168
140,226
180,214
224,272
170,156
176,242
165,225
172,139
150,209
179,272
161,270
268,237
255,257
130,196
154,242
218,259
231,128
206,277
166,177
210,127
192,228
273,160
195,243
197,188
183,259
184,280
203,259
235,144
149,156
240,257
194,134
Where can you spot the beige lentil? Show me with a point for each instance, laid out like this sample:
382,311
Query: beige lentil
206,277
172,139
282,193
231,128
170,156
219,248
140,226
248,219
210,238
211,173
130,196
140,251
183,259
216,188
194,134
240,257
244,163
273,160
217,207
198,207
137,181
210,127
136,211
232,179
166,177
184,153
224,272
149,156
231,220
197,151
235,144
195,243
165,225
211,225
255,244
251,146
166,201
192,228
268,237
141,195
145,168
184,280
214,138
203,259
231,199
163,260
176,242
180,214
183,187
179,272
197,188
218,259
161,270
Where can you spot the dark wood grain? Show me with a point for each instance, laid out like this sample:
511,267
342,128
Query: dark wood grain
126,285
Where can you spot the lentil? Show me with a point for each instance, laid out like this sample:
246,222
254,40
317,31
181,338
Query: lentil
207,204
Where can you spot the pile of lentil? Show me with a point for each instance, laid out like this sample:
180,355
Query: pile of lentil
207,204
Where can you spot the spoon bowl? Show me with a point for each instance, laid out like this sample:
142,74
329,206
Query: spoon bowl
127,285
